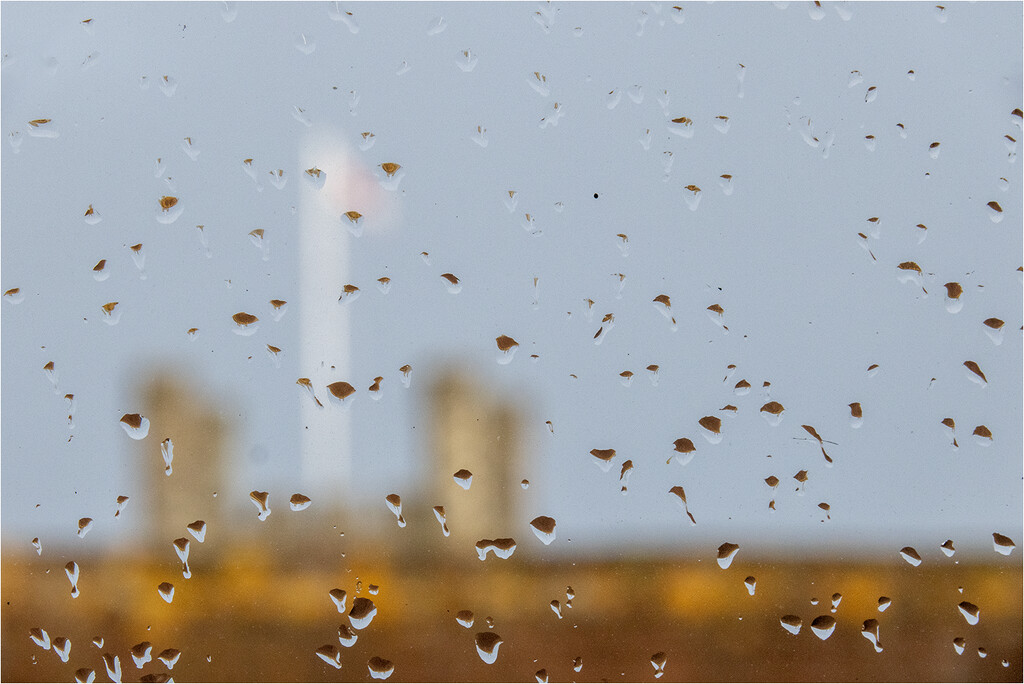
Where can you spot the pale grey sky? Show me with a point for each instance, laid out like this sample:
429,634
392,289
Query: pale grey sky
807,308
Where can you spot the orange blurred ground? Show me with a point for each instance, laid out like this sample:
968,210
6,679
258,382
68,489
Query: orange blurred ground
259,615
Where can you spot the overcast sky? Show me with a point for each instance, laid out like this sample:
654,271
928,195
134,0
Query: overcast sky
807,306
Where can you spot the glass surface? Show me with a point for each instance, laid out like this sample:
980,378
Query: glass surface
512,341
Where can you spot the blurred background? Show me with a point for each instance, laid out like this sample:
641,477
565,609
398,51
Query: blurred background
678,214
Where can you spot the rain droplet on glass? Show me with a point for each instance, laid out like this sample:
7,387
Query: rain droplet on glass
246,324
680,495
442,519
911,555
339,597
463,478
970,612
394,503
362,612
330,654
823,626
261,500
507,347
487,645
772,413
544,528
726,553
1002,544
142,653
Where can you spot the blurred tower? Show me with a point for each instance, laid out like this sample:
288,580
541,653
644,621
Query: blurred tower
177,410
474,430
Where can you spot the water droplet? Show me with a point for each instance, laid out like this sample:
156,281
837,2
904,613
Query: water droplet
539,83
464,618
541,676
970,612
436,26
680,494
380,668
341,394
406,371
487,644
815,11
751,584
362,612
305,44
84,525
556,607
315,176
40,637
911,555
627,470
394,503
43,128
506,349
135,425
772,413
141,653
463,478
603,458
166,591
330,654
466,61
869,630
167,451
947,546
452,283
681,126
503,548
544,528
974,373
611,100
995,212
823,626
169,657
261,500
711,428
346,636
726,553
393,175
442,518
258,239
959,643
1002,544
299,502
883,603
113,665
525,484
856,415
111,314
339,596
577,663
982,436
994,330
245,323
86,674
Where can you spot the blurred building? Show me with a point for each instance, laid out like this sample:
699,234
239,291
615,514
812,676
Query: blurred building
182,491
473,429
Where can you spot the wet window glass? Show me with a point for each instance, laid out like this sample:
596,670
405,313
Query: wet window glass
511,341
